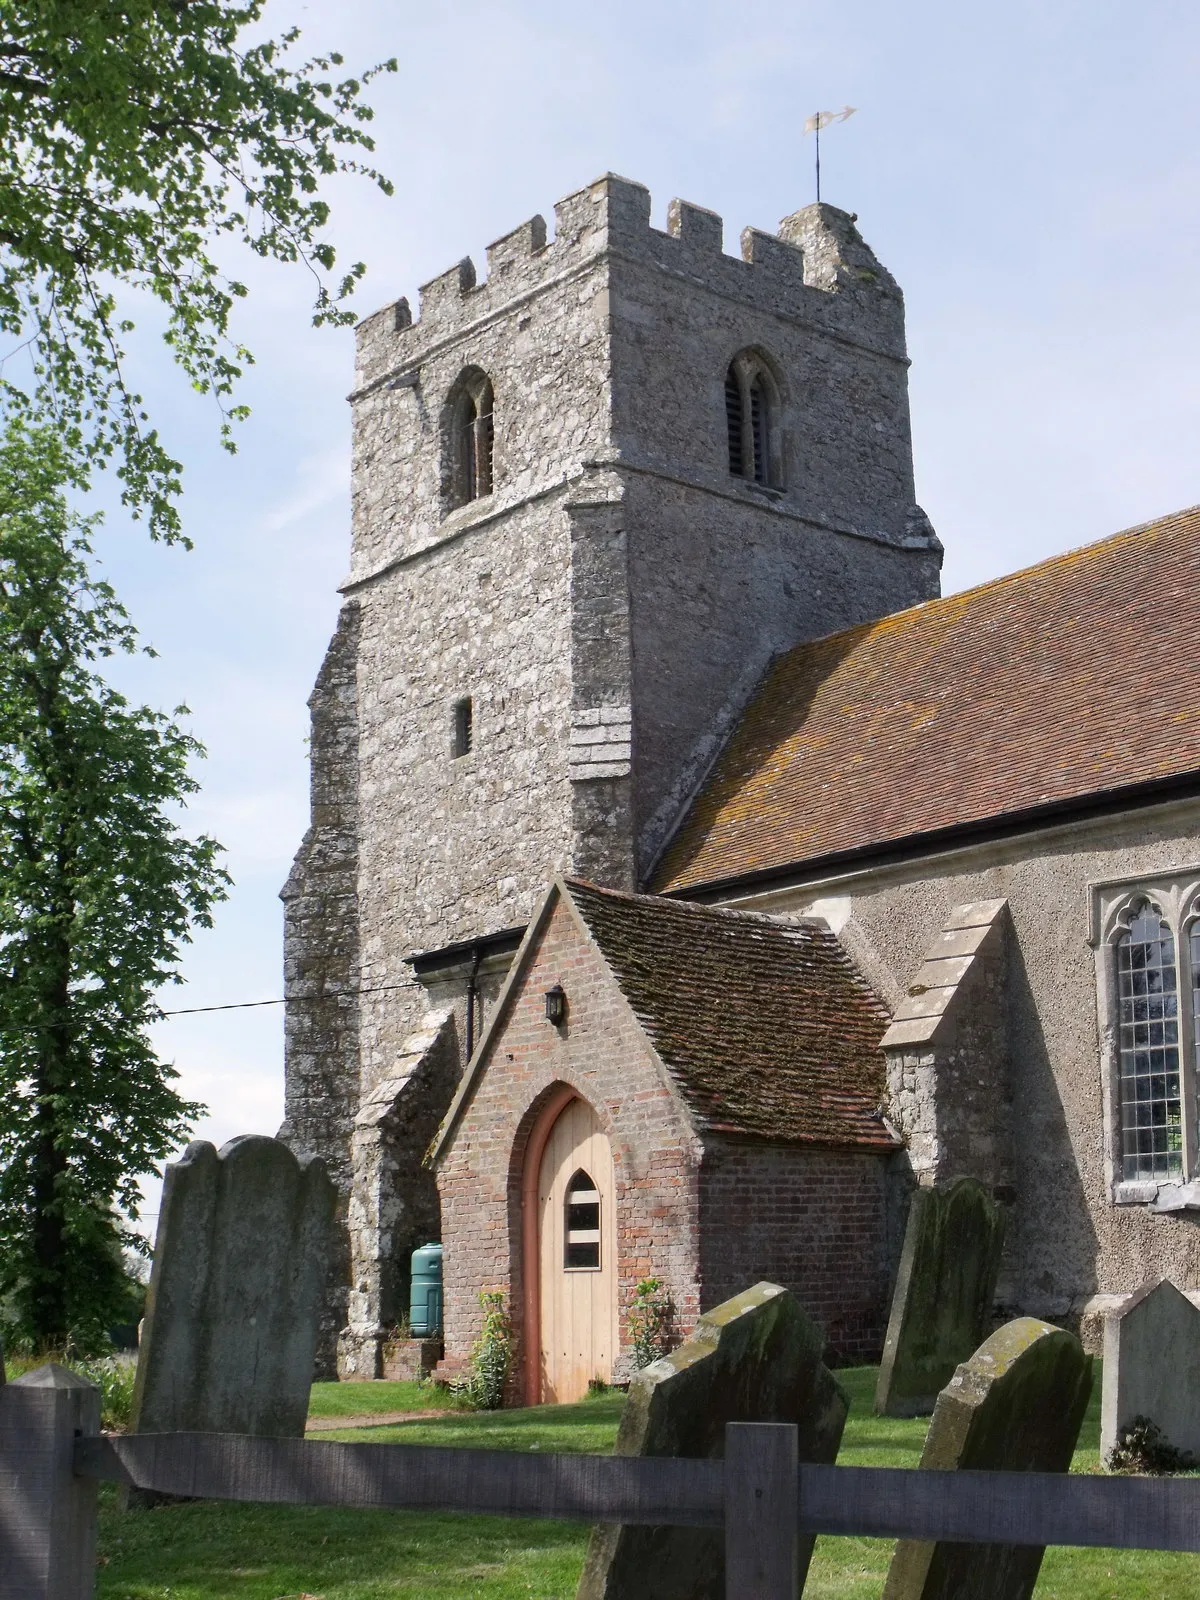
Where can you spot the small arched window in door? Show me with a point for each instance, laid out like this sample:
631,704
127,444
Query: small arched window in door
581,1234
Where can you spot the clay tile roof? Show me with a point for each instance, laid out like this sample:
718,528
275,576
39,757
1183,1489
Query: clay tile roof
1069,679
766,1028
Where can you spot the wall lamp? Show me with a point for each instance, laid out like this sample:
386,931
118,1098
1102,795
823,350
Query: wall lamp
556,1005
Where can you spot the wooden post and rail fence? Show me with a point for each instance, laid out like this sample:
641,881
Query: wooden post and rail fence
52,1454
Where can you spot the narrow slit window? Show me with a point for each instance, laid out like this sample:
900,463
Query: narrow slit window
464,727
1148,1048
581,1233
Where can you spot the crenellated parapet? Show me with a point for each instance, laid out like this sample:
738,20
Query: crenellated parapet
816,269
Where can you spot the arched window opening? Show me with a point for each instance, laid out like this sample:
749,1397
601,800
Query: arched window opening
1148,1048
471,439
581,1234
752,422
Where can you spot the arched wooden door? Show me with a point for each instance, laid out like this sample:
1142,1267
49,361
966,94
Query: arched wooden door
577,1255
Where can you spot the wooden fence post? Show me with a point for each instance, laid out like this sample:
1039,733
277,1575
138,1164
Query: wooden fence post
761,1511
47,1514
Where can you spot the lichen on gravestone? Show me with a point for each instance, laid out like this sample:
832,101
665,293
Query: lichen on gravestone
755,1358
240,1260
1016,1406
944,1291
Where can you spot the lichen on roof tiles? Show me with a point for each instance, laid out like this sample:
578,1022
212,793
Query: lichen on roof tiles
766,1028
1053,684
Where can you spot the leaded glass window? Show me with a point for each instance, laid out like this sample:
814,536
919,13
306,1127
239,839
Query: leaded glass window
1148,1048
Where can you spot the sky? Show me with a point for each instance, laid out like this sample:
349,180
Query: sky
1029,171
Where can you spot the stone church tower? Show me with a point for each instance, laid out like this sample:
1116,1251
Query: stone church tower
593,496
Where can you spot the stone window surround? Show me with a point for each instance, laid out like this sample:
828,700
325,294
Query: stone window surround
748,367
1175,896
466,482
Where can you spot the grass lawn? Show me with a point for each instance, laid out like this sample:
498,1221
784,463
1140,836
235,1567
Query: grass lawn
209,1551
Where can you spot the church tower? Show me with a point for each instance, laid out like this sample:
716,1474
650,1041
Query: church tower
593,496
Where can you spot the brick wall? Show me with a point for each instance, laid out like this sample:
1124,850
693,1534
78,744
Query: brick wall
813,1220
602,1053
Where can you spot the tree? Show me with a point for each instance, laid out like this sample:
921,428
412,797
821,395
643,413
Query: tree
98,891
134,136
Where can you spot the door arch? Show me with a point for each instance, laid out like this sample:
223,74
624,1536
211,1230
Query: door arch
571,1265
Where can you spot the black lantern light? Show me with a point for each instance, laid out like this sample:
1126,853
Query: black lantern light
556,1005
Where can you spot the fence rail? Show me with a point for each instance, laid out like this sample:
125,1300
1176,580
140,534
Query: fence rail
52,1454
883,1502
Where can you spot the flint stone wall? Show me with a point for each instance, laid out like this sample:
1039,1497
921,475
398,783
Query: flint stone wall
230,1332
320,961
615,578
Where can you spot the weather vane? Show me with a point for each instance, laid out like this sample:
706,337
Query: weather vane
824,119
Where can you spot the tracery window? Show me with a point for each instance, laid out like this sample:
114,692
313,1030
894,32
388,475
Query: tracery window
1147,940
471,438
581,1233
752,421
1148,1047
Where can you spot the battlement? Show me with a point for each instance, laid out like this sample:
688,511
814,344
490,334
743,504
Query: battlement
817,266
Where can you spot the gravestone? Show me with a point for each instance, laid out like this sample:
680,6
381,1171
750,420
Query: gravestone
945,1287
240,1261
756,1358
1152,1367
1016,1406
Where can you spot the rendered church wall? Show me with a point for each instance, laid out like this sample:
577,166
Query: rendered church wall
1068,1241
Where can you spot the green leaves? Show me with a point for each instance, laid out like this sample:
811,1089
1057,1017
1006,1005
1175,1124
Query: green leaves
133,135
99,889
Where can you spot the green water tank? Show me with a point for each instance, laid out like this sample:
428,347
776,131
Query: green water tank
425,1296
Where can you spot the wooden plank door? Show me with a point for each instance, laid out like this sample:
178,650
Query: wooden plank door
577,1238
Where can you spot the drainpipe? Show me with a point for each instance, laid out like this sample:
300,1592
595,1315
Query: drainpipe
473,1000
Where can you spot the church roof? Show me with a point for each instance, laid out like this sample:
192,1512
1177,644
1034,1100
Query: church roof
766,1028
1068,680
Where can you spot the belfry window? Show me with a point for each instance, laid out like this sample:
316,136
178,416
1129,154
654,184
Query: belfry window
752,421
471,438
581,1231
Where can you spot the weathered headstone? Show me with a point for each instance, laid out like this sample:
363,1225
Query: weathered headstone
756,1358
231,1313
945,1287
1016,1406
1152,1367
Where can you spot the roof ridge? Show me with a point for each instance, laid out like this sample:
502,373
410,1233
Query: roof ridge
998,700
960,596
732,914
